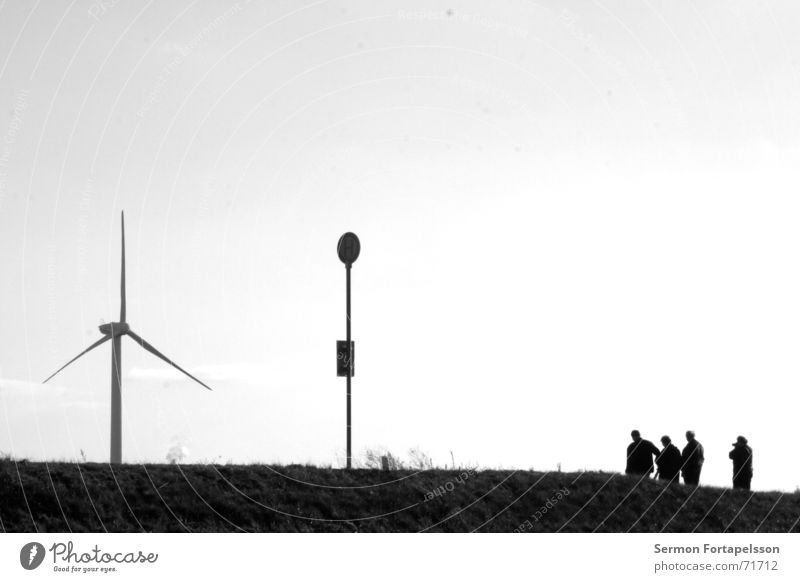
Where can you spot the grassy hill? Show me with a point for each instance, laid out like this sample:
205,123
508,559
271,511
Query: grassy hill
62,497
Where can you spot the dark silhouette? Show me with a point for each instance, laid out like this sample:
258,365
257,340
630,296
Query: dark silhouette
640,455
348,248
114,332
692,459
742,456
669,460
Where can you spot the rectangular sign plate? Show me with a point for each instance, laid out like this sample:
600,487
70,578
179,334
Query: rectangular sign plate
343,358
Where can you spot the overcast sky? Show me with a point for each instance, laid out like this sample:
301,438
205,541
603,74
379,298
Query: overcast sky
577,218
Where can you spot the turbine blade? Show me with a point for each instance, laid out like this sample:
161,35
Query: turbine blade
122,283
158,354
89,349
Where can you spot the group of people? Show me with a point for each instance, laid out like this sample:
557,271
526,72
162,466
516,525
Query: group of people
644,457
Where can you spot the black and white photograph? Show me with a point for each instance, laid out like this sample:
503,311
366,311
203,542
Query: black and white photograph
388,267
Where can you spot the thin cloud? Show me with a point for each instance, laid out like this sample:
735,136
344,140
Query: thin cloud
11,385
84,404
240,372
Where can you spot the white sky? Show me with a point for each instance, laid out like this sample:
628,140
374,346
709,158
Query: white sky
577,218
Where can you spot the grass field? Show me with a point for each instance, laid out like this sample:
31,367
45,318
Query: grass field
63,497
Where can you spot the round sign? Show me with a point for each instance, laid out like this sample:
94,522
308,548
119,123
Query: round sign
348,248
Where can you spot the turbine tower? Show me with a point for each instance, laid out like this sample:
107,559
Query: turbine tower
114,332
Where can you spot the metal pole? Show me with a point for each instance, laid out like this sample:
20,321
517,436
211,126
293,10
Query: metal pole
349,373
116,400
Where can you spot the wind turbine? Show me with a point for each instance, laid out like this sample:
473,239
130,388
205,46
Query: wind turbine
114,332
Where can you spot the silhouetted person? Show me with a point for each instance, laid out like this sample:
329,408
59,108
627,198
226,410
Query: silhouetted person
669,460
692,459
742,456
640,455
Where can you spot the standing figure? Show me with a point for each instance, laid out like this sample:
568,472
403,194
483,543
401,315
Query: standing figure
669,460
692,459
640,455
742,456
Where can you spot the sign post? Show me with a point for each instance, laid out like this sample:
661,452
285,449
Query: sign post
348,249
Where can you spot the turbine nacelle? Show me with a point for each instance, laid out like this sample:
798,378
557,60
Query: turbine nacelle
114,328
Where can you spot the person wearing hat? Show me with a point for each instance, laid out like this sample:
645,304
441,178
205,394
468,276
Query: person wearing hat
742,457
669,461
692,459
